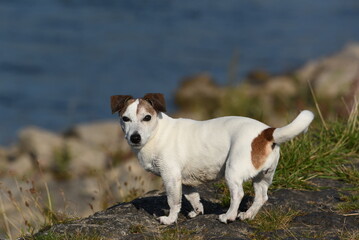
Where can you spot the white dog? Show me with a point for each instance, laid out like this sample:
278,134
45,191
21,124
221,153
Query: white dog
186,152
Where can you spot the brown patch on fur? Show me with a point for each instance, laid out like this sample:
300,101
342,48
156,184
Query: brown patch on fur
262,147
119,103
157,101
146,105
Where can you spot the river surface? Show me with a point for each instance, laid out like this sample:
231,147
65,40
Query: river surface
61,60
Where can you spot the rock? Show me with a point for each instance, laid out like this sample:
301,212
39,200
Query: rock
88,147
40,144
334,76
97,145
198,95
21,166
106,135
84,157
52,151
137,219
281,85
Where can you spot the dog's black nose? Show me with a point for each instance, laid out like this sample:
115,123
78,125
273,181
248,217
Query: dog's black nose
135,138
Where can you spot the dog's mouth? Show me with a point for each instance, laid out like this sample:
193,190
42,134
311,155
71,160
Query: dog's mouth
135,144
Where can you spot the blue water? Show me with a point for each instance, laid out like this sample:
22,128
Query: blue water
61,60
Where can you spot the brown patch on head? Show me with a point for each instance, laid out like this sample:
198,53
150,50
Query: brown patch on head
156,100
146,105
262,147
119,103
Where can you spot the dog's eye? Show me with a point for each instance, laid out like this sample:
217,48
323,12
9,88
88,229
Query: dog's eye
147,118
125,119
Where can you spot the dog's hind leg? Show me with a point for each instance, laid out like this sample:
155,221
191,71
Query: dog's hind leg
261,184
234,182
193,197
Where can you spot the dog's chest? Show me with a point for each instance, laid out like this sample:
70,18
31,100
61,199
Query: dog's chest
149,162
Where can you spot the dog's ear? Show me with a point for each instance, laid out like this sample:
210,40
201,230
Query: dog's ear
157,101
118,102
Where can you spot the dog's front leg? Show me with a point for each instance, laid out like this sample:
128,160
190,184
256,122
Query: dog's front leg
173,185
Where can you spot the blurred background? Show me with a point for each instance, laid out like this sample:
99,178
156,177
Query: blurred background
61,60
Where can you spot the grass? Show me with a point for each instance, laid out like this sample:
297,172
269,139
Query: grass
273,219
137,228
33,205
349,235
347,173
57,236
164,233
349,204
223,192
176,233
320,153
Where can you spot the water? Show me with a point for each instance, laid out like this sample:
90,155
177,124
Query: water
61,60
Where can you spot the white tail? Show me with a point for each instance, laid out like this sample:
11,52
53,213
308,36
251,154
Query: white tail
299,125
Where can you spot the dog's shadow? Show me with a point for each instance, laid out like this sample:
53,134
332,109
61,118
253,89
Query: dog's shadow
157,205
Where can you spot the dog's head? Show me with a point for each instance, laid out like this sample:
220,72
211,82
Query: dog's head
138,117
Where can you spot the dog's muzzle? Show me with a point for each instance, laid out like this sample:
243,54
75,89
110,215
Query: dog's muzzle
135,138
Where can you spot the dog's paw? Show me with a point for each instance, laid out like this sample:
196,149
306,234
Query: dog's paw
224,218
193,214
245,216
166,220
200,209
242,216
227,217
196,212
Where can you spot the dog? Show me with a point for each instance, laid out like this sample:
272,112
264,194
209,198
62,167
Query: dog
186,153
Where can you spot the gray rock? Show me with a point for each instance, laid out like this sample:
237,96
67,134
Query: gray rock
334,76
40,144
84,157
105,135
21,166
137,219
